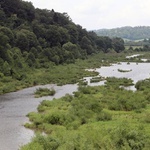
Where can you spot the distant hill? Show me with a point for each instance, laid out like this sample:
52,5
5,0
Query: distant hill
129,33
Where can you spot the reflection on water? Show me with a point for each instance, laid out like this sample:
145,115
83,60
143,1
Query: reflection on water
13,110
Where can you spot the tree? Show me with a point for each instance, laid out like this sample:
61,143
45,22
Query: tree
38,29
86,45
4,40
10,7
72,48
64,36
31,60
32,39
118,44
72,30
2,16
6,31
61,19
28,11
22,41
108,42
6,68
101,44
53,36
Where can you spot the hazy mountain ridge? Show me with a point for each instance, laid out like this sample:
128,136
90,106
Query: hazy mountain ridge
127,32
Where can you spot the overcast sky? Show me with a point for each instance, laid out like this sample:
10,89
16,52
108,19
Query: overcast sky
97,14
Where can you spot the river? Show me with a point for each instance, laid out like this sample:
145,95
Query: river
13,110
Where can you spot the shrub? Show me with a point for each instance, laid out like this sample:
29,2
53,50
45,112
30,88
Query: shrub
113,81
44,92
57,118
41,142
103,116
125,137
36,118
146,118
96,79
143,85
127,101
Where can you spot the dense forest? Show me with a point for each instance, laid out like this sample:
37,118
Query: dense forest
130,33
34,37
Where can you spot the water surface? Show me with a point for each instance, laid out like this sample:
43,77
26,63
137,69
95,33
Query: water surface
138,71
13,110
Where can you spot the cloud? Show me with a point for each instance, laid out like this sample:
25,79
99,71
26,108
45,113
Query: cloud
97,14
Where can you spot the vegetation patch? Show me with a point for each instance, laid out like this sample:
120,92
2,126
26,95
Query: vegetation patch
40,92
113,81
143,85
82,82
120,70
97,79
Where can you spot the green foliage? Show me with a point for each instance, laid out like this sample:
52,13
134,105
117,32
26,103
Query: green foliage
128,138
118,81
118,44
128,102
146,117
69,111
143,85
96,79
44,92
42,143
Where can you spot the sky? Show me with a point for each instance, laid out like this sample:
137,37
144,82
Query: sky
99,14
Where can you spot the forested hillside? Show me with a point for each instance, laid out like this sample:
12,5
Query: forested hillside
33,38
131,33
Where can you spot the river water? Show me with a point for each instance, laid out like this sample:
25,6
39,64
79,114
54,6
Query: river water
13,110
16,105
135,71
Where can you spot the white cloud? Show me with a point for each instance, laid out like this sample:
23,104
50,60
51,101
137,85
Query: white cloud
95,14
